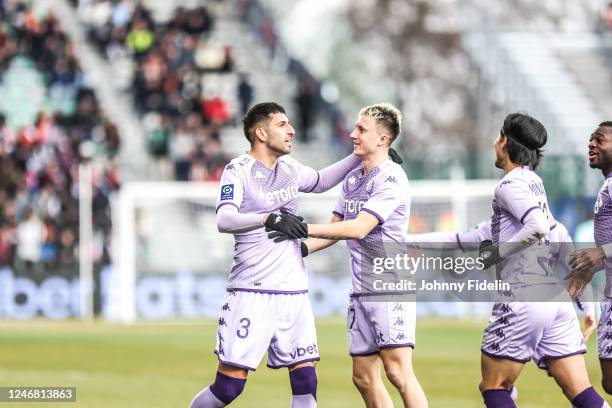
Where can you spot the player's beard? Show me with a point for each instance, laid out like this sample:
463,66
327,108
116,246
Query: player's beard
279,149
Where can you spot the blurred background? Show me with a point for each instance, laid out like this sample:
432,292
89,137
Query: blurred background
118,116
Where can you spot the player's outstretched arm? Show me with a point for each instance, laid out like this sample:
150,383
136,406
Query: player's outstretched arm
465,241
230,221
357,228
312,245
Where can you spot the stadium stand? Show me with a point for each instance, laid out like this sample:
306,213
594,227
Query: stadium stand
40,152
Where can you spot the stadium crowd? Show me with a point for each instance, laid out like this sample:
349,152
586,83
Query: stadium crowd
182,112
39,160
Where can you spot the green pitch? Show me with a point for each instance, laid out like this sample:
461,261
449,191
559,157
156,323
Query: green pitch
164,365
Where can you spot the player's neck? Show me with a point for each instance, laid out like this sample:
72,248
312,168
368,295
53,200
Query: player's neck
264,157
371,161
509,166
606,171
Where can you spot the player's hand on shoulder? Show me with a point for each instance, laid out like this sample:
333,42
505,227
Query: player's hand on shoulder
292,226
489,253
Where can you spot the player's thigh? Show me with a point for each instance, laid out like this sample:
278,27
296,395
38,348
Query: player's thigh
246,323
361,334
295,336
515,330
604,333
393,322
498,373
570,373
562,336
232,371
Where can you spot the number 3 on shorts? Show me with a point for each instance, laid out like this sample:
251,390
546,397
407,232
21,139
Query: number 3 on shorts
246,323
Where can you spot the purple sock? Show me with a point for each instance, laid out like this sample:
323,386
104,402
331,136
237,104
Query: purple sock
304,381
588,398
498,399
227,389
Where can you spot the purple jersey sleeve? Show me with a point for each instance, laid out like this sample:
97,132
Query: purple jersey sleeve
232,187
390,190
339,208
313,181
516,198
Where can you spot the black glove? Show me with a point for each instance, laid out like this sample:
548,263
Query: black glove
278,236
489,253
286,223
394,156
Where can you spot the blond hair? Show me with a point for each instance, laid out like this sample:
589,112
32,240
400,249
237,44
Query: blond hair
387,116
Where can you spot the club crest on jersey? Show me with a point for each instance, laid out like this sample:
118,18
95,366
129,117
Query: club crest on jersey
352,180
227,192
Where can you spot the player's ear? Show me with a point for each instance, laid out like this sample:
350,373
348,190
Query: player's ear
260,134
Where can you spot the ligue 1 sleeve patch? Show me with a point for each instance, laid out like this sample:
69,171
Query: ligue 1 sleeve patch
227,192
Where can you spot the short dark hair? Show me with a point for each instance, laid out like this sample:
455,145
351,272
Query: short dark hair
607,123
257,113
525,138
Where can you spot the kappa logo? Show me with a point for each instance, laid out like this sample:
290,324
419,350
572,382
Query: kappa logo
227,192
607,336
503,320
302,351
222,322
609,322
225,307
399,322
500,333
400,336
494,347
608,350
230,167
398,308
380,338
504,308
259,175
503,183
391,179
278,219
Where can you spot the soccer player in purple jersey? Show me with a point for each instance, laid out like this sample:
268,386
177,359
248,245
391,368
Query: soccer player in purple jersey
561,248
519,331
587,261
266,307
372,211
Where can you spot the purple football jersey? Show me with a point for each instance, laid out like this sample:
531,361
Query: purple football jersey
385,193
603,226
259,263
517,194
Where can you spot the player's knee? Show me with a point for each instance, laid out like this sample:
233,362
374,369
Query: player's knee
303,381
398,377
495,383
226,389
362,380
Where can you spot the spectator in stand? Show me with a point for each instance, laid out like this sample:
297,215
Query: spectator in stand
30,238
305,100
245,93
